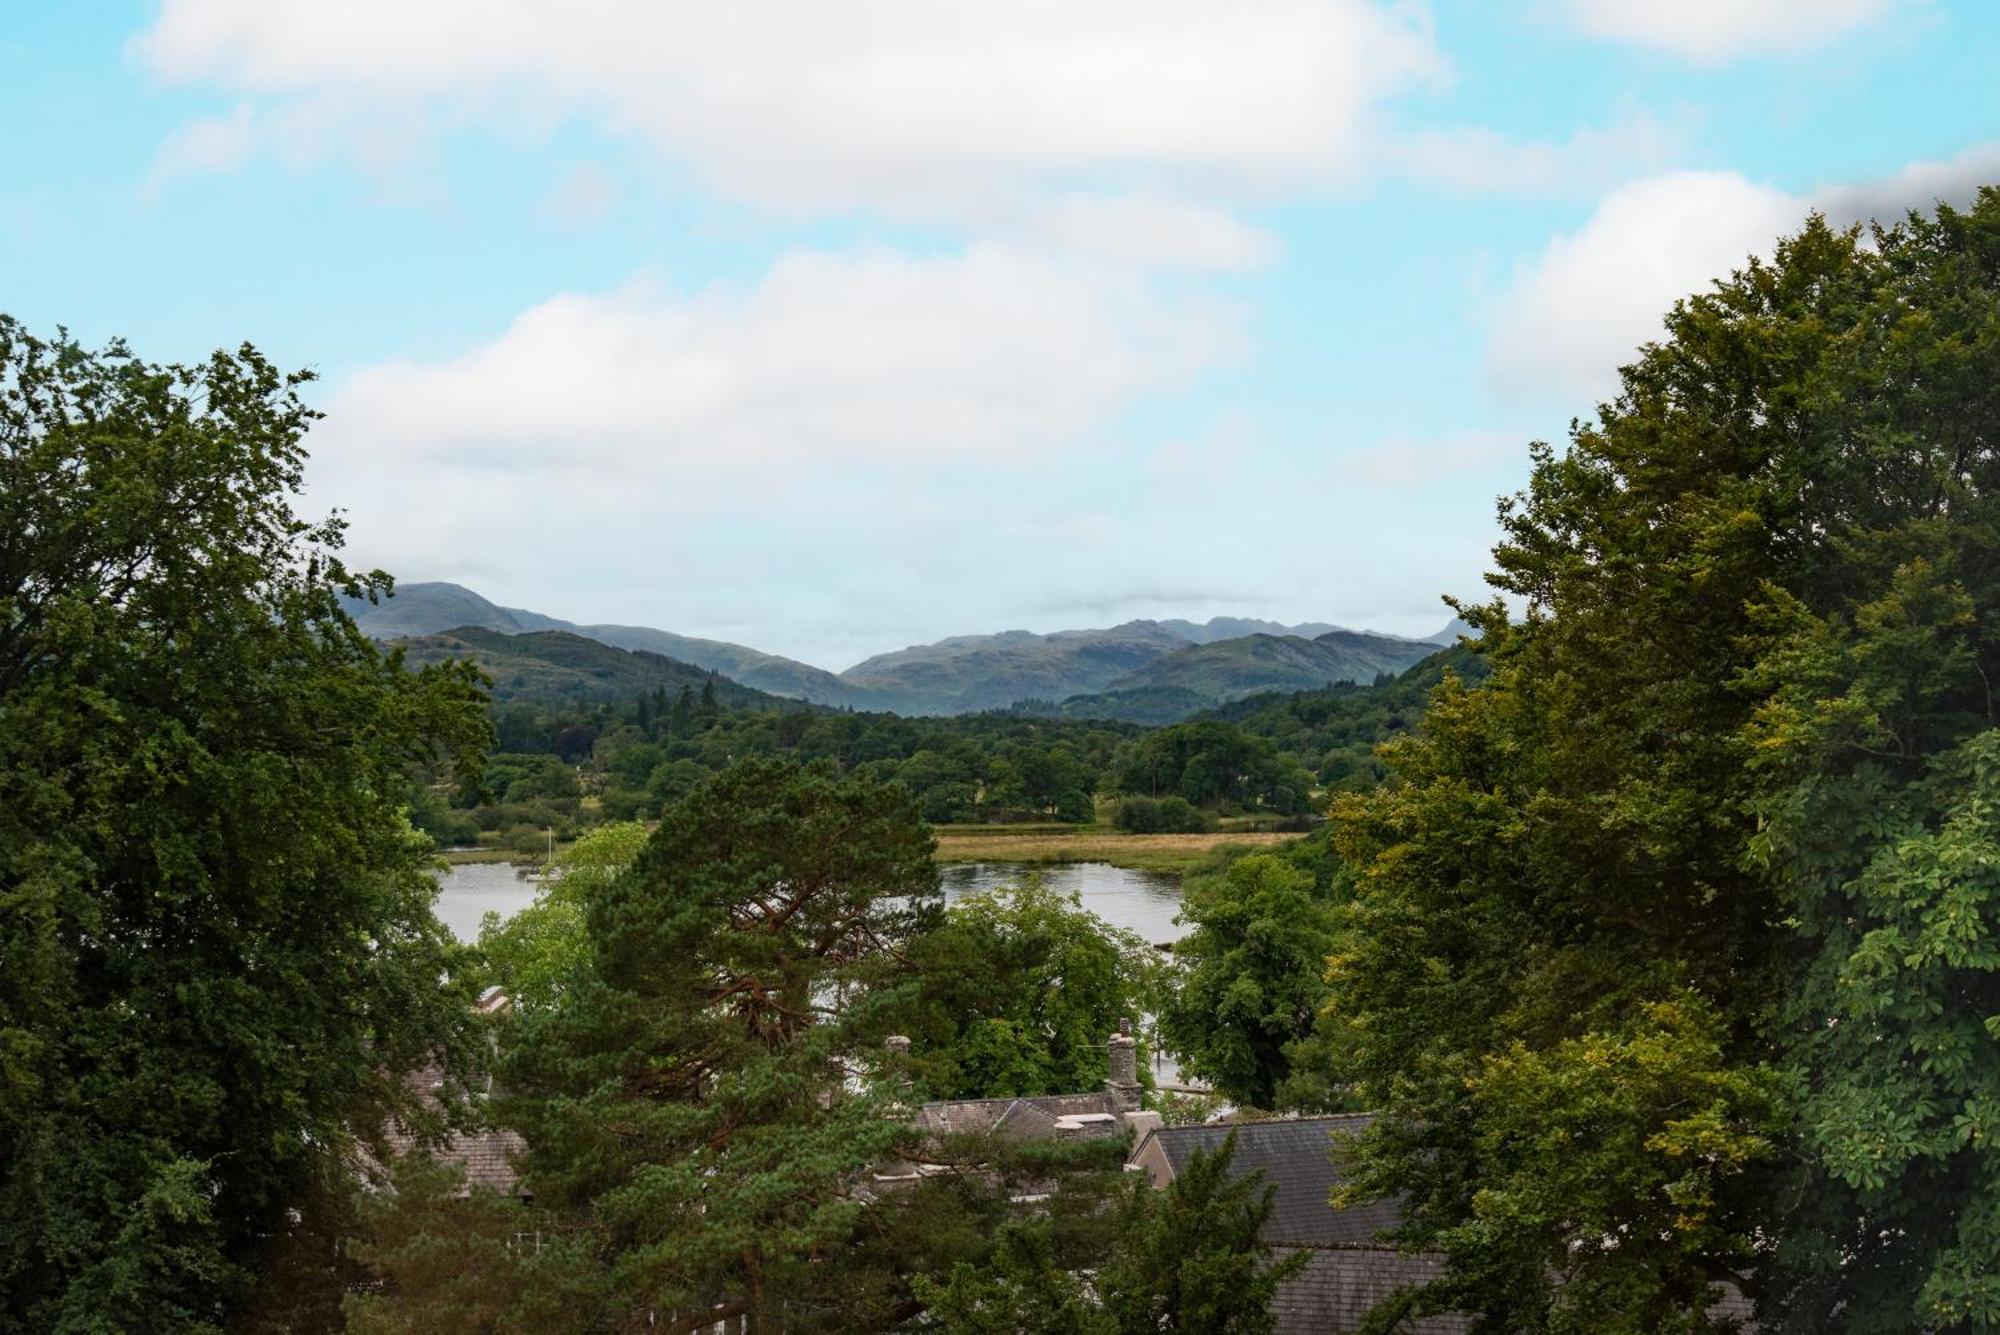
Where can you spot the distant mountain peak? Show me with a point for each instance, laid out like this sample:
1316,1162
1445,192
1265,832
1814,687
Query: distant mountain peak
957,674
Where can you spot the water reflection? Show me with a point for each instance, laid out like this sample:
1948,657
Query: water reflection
469,890
1138,901
1144,902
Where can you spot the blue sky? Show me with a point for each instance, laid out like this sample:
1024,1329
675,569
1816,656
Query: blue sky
833,327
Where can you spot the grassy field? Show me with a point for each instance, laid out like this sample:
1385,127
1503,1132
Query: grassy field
457,856
1030,843
1070,843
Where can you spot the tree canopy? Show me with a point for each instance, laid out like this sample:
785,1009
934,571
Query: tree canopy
217,952
1016,993
1673,954
692,1092
1249,979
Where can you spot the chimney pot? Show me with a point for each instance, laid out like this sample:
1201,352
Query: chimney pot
1122,1058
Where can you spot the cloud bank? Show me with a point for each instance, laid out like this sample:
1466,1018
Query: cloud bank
908,106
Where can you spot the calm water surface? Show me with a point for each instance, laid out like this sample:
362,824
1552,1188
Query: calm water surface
470,890
1144,902
1138,901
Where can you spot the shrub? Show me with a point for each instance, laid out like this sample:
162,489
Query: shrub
1166,815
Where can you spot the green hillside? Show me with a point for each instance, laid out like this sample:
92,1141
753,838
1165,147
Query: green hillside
436,608
969,673
1334,731
556,667
1150,706
1227,670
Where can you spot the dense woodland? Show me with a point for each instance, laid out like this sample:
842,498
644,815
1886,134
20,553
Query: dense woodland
563,765
1663,933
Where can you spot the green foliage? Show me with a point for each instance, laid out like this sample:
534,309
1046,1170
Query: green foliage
1609,1137
1210,763
1248,983
1017,992
1188,1259
1164,815
1193,1259
544,948
216,943
446,1261
1715,831
1024,1285
521,779
1334,732
636,754
690,1093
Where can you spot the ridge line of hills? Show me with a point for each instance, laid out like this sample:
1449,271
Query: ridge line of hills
1139,671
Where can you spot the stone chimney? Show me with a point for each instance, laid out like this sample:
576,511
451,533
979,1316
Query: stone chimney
1123,1056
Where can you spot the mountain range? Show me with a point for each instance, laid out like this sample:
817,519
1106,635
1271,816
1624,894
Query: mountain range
1191,664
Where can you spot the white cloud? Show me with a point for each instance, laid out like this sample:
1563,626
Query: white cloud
1152,232
1711,31
1594,295
1584,306
1483,161
644,406
201,147
585,195
1920,185
909,106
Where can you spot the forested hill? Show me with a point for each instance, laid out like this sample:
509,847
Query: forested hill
438,608
1202,677
1334,731
1204,664
1225,670
969,673
555,667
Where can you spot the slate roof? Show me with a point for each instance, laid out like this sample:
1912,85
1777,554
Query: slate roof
1339,1286
489,1158
1022,1117
1297,1158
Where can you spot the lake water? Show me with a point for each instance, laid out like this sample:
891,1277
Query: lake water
470,890
1138,901
1144,902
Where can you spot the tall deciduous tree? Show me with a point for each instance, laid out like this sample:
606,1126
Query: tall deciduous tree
1674,948
217,951
1250,978
1016,992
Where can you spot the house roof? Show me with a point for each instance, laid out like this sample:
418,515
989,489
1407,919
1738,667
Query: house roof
1296,1157
1022,1117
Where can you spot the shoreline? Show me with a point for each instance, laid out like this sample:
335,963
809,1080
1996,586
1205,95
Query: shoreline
1032,844
1178,853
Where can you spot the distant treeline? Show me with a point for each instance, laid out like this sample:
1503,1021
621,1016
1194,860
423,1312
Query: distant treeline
564,765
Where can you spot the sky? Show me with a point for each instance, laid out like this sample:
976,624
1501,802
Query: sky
830,326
